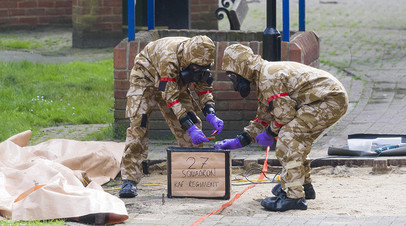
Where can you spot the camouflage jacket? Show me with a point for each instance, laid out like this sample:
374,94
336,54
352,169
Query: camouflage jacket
281,87
162,61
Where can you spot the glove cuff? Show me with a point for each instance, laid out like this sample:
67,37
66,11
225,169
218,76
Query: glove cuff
208,109
186,122
244,138
270,132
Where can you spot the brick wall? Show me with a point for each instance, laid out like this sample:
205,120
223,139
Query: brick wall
96,23
234,110
32,13
202,14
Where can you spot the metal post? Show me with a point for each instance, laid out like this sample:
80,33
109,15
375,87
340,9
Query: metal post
131,20
302,12
151,14
286,28
271,41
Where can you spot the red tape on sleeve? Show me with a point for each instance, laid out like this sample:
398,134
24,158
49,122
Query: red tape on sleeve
277,124
168,79
261,121
204,92
276,96
173,103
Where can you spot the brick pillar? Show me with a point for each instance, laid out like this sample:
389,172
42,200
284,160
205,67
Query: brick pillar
96,23
202,14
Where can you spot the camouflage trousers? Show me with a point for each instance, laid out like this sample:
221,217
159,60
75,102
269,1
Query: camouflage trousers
137,136
296,138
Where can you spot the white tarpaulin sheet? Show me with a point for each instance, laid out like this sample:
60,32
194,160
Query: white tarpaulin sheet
48,180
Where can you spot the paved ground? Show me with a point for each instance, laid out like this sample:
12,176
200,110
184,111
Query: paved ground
363,43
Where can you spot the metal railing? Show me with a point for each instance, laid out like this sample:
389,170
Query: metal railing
272,38
271,50
131,17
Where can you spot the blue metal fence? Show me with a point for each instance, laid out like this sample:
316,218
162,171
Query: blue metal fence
151,18
131,20
285,18
151,14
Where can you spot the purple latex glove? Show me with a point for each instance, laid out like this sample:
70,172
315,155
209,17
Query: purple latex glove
264,139
197,135
217,123
227,144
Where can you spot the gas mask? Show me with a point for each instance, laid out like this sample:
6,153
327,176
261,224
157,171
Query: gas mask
197,73
240,84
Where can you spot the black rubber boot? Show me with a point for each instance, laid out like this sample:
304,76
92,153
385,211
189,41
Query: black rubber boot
283,203
128,189
308,190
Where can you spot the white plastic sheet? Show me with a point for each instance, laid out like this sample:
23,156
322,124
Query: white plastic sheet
46,181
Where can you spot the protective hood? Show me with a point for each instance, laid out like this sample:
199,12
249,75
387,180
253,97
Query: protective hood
198,50
241,60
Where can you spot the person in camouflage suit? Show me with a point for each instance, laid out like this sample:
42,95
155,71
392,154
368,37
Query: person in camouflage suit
296,104
162,74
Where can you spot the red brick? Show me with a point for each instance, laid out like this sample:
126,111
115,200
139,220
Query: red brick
194,16
4,13
121,84
133,51
227,95
236,105
63,3
27,4
120,56
52,11
47,4
119,114
112,3
249,115
17,12
295,53
254,45
104,11
36,12
28,20
221,76
245,43
142,45
120,94
208,1
46,19
116,27
222,105
284,51
110,18
121,74
104,26
8,4
251,105
221,47
252,95
117,10
222,86
120,104
201,8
